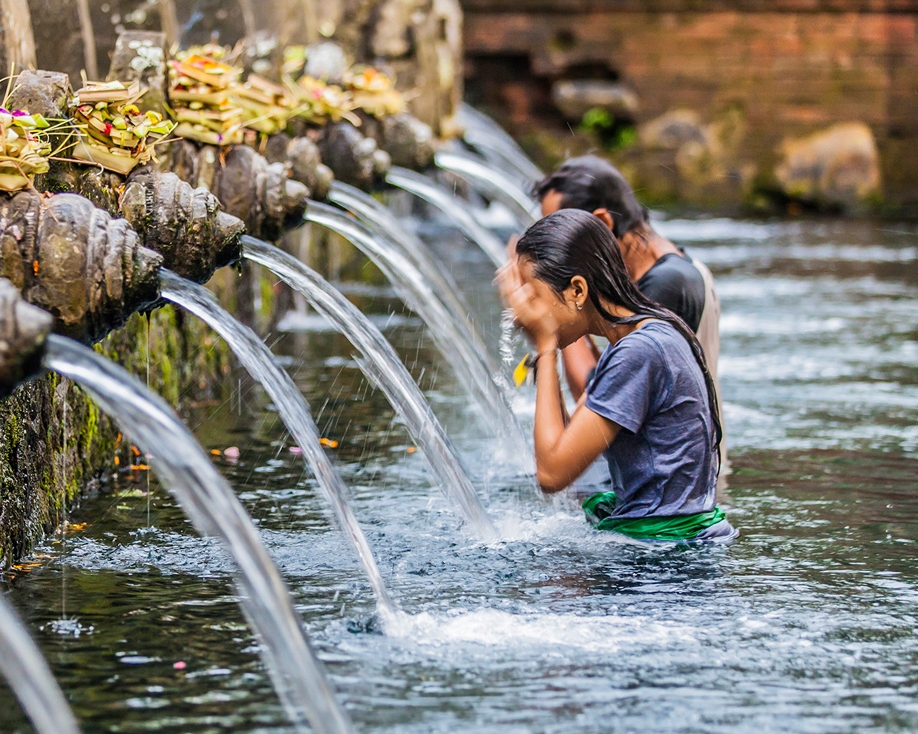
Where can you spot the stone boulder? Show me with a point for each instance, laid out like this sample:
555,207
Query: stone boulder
672,130
576,98
835,167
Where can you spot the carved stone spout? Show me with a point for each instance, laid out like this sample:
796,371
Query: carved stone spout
260,193
355,159
87,270
23,330
182,223
185,225
408,141
301,156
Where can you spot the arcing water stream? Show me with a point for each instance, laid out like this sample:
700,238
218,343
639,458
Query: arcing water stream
496,144
452,206
470,365
492,182
215,511
290,404
30,677
384,223
382,367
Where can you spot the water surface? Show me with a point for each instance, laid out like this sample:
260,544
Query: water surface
806,624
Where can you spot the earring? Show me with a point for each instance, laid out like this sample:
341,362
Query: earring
580,307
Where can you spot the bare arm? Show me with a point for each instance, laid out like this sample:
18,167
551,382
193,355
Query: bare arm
579,359
564,452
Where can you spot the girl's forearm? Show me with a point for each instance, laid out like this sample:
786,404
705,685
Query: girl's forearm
549,411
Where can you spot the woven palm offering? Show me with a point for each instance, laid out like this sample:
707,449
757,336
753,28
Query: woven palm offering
373,92
201,95
266,106
319,103
24,147
114,132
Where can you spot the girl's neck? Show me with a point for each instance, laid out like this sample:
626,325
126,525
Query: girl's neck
601,326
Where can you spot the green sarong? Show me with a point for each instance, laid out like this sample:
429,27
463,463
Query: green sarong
600,506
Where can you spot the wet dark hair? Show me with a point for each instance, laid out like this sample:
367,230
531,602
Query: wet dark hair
590,183
573,242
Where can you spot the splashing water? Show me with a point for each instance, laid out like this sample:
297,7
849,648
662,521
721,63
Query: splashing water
381,220
495,144
381,365
451,338
292,408
213,508
491,182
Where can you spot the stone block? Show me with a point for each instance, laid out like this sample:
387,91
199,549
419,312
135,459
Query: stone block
836,167
576,98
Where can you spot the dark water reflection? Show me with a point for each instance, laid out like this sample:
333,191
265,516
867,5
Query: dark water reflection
806,624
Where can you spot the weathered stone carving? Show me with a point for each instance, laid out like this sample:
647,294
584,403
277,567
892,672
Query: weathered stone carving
182,223
409,142
66,256
23,330
355,159
185,225
141,56
302,157
260,193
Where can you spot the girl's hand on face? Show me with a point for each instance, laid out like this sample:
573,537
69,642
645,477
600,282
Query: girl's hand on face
531,312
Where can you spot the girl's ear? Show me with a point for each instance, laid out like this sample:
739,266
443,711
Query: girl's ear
578,292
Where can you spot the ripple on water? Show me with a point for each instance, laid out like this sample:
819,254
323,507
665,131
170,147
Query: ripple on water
806,624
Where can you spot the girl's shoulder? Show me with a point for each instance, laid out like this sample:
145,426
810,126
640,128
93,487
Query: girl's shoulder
641,349
653,337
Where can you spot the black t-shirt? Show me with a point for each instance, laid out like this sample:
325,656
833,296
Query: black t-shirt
675,283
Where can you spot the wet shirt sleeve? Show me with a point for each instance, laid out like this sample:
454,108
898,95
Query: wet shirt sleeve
629,380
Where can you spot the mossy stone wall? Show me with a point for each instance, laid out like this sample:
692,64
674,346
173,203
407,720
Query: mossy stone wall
55,444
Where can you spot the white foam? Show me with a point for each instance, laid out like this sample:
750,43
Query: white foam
496,628
745,324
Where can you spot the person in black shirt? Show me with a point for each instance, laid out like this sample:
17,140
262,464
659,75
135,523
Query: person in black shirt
661,271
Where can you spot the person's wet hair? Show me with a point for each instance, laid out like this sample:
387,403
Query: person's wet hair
590,183
573,242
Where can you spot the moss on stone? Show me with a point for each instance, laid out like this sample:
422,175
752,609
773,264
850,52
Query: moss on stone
56,445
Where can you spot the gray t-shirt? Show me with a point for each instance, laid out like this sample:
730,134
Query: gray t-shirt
661,462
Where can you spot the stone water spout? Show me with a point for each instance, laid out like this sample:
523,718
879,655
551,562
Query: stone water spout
23,330
185,225
409,142
266,195
302,157
355,158
88,270
360,156
247,186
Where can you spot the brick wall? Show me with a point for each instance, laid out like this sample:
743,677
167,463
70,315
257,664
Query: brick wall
791,66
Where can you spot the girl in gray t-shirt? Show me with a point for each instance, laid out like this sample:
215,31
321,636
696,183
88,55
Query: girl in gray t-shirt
651,407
